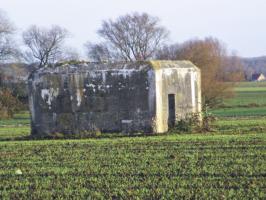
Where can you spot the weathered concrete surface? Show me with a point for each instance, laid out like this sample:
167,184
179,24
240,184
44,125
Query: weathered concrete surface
111,97
182,79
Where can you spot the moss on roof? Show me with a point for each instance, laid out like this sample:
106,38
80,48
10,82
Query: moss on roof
161,64
74,67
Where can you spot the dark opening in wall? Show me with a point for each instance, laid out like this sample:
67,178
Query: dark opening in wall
171,110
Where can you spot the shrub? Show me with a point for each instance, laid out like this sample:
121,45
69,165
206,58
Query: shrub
207,120
89,134
9,104
190,123
194,122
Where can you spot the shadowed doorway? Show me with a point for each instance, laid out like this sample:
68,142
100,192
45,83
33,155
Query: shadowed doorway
171,110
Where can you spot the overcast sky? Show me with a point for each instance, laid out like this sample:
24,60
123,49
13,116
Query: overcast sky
240,24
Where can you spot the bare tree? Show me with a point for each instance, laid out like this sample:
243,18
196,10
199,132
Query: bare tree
45,45
168,52
233,69
130,37
68,54
210,56
98,52
7,49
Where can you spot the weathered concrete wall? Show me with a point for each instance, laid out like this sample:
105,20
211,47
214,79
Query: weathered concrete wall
184,83
72,99
115,97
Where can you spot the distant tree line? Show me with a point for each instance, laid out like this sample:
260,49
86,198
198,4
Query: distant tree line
131,37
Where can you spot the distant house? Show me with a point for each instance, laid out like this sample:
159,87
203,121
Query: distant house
258,77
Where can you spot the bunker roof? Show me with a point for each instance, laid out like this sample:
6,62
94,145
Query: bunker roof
117,66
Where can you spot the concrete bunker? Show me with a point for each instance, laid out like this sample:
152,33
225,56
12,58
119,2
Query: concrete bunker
114,97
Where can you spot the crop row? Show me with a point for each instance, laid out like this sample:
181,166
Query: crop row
195,166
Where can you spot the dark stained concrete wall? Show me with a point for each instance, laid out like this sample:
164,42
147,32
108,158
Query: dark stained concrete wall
74,100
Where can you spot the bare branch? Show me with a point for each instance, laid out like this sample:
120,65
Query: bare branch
45,45
216,66
98,52
132,37
7,47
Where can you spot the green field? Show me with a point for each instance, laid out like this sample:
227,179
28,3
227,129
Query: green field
169,167
240,111
14,128
249,100
228,163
